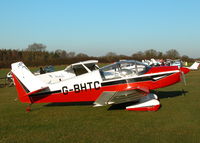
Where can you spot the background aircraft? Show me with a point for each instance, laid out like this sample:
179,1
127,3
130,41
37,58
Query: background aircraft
194,66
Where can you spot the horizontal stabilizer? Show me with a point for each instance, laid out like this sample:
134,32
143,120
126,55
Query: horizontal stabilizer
37,91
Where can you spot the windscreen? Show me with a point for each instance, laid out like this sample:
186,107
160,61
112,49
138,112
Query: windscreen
122,69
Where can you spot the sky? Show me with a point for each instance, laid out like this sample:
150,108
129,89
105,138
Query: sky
96,27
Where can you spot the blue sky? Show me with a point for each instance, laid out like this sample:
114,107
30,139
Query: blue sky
96,27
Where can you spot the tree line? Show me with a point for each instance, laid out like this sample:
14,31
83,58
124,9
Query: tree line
37,55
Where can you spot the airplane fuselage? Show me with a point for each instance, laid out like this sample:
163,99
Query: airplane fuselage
89,86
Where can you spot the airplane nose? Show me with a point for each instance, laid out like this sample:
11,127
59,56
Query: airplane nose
184,70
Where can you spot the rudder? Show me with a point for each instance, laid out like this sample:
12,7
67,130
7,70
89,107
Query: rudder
25,81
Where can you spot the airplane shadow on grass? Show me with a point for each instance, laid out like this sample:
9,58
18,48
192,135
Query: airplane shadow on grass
160,94
60,104
170,94
69,104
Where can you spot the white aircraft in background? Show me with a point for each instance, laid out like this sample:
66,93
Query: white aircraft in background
151,62
177,62
194,66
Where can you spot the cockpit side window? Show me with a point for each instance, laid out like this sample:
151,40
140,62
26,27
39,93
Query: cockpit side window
110,72
92,67
79,71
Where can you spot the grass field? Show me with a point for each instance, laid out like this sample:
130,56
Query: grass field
178,120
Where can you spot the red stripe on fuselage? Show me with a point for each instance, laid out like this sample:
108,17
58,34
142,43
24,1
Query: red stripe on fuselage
162,69
93,94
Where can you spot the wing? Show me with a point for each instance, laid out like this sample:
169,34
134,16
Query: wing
117,97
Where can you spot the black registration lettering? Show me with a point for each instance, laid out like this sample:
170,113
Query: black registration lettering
90,85
96,85
65,90
83,86
76,88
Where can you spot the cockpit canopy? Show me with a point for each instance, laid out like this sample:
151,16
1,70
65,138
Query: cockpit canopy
82,67
125,68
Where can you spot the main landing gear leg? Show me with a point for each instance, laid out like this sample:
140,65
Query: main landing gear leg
28,108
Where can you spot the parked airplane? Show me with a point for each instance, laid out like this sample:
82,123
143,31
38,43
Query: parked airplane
121,82
194,66
177,62
151,62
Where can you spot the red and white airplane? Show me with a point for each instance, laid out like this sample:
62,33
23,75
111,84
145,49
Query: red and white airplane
121,82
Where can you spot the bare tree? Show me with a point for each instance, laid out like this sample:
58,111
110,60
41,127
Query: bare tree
151,54
36,47
81,55
138,56
111,54
172,54
71,54
61,53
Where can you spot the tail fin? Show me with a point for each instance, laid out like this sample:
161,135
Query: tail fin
194,66
26,83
